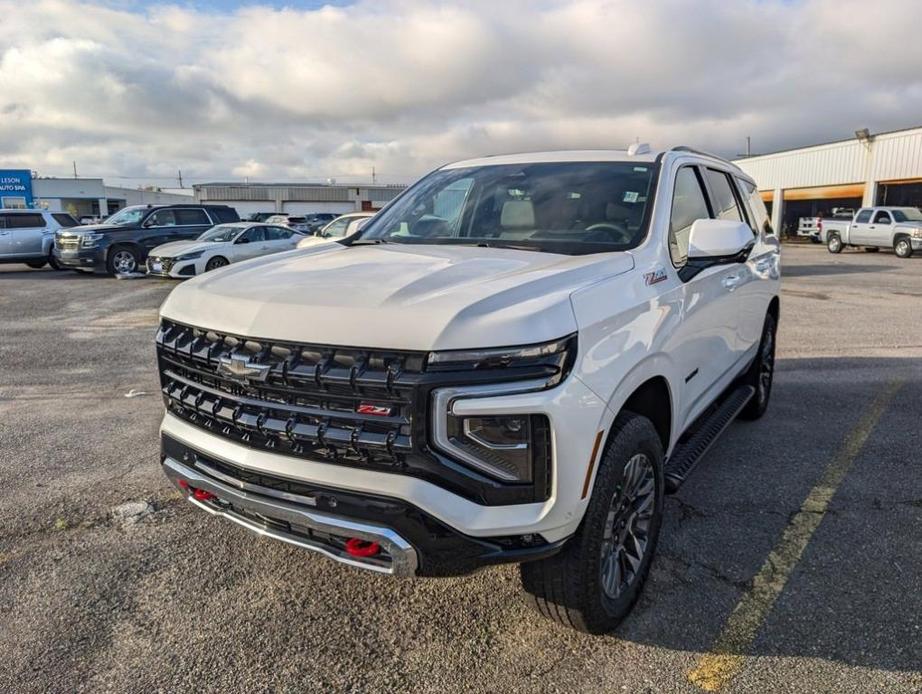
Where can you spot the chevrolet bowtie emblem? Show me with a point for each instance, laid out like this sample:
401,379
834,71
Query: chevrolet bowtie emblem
240,368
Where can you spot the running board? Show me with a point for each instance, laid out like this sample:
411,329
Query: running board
687,454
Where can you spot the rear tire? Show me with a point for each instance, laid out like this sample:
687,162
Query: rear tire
834,244
902,247
761,374
594,581
36,265
216,262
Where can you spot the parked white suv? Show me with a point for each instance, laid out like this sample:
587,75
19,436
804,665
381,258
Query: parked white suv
27,236
515,362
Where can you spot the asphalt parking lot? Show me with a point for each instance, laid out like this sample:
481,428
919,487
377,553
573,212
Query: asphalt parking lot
110,582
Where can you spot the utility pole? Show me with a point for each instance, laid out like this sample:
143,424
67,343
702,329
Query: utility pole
75,168
180,178
374,176
748,146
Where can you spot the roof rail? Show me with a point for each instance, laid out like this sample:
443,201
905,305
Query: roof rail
700,153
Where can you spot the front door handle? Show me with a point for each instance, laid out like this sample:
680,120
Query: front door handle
731,282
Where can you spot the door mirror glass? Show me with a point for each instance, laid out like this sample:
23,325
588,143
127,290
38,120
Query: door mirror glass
717,238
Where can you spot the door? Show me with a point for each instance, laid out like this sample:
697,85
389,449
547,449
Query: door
705,344
251,243
858,231
21,234
880,230
280,239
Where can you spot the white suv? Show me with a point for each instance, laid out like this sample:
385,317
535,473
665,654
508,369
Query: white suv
27,236
514,363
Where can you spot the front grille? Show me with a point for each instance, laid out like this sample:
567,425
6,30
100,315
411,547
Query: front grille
166,264
67,243
343,405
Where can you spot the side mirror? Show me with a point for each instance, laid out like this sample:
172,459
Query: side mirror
148,223
718,238
242,239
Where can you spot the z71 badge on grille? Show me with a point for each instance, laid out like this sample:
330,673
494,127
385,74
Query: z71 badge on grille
240,368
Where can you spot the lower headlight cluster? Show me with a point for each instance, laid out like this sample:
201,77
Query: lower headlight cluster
507,447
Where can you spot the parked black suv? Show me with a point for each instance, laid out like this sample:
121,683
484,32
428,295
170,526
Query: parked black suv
121,243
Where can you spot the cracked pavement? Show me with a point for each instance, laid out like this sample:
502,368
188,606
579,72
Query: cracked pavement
178,601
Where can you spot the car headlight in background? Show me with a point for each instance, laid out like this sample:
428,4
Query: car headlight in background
90,240
549,360
189,256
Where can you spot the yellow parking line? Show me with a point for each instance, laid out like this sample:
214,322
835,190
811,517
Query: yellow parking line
716,669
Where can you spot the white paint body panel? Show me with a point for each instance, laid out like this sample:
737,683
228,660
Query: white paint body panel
635,317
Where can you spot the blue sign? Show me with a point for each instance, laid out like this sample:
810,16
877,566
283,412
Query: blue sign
15,188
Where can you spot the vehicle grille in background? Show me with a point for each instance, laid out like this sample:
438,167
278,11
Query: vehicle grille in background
67,243
339,404
166,264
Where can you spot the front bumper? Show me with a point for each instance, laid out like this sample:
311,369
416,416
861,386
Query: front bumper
324,520
81,258
915,243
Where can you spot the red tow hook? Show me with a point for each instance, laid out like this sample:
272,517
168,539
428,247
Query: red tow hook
197,494
362,548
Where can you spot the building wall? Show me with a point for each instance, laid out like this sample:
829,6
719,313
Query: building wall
295,198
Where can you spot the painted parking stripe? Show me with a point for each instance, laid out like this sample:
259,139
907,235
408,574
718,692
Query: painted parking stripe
717,668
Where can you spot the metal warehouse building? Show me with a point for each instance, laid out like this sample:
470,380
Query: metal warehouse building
296,198
867,169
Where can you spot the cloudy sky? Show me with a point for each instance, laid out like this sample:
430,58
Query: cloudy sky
226,89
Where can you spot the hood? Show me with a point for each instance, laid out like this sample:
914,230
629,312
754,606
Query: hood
93,228
411,297
174,248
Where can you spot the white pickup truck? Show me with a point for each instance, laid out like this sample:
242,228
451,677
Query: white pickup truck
515,362
899,228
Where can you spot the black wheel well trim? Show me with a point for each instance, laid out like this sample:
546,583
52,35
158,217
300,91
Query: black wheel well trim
652,399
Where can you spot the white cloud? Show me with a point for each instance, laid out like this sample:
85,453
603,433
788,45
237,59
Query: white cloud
404,86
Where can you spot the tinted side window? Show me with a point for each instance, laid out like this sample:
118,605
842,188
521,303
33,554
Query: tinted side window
65,220
724,201
24,221
863,217
882,218
688,205
337,228
256,234
191,217
223,214
277,234
161,218
760,219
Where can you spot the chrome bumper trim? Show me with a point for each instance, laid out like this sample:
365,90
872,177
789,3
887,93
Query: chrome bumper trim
403,560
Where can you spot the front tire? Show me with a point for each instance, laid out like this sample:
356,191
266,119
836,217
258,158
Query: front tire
215,263
761,374
834,244
53,262
902,247
593,583
122,260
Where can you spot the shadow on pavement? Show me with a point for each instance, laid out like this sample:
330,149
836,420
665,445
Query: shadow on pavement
854,595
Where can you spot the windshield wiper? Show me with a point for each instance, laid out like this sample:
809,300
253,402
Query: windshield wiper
511,246
368,242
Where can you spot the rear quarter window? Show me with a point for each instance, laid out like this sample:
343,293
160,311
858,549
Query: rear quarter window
65,220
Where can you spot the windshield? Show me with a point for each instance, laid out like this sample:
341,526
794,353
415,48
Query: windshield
221,233
571,208
908,214
127,217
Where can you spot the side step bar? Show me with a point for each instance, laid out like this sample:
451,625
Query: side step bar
687,454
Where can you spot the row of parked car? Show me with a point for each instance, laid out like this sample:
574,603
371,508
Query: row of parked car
167,240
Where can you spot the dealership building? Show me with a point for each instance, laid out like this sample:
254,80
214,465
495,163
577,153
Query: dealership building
296,198
866,169
81,197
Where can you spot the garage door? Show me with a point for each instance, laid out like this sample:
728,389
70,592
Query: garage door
308,207
900,193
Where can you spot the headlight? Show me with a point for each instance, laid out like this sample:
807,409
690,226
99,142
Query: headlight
550,360
503,446
917,233
89,240
189,256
